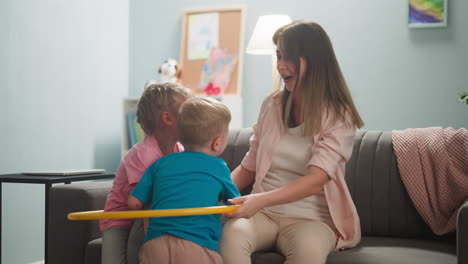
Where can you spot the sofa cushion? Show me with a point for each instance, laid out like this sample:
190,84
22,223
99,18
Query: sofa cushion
396,250
68,240
371,250
93,251
267,258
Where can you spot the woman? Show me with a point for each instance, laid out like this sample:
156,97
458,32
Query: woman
300,204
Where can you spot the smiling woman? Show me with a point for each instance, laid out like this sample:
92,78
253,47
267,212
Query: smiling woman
300,145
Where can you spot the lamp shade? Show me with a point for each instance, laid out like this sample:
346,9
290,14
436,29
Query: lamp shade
261,40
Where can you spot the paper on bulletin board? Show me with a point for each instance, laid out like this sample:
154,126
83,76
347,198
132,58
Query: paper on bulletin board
203,35
217,71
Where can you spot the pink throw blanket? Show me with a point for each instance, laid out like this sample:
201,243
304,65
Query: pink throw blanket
433,164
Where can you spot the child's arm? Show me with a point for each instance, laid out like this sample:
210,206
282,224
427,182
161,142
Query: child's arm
229,188
141,191
134,203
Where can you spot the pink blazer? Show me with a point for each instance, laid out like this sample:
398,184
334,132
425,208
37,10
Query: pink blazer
331,150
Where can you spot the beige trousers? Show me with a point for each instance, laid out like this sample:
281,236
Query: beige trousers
114,245
170,249
299,240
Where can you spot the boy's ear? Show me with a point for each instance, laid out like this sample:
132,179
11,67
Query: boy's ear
168,119
216,143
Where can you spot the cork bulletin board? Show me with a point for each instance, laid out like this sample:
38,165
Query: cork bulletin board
228,27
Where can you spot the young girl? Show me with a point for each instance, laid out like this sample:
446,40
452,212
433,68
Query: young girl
304,136
157,114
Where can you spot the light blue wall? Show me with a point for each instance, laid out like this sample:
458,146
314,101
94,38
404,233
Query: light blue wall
399,77
3,68
67,71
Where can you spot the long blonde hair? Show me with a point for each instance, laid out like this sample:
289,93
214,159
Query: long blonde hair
324,86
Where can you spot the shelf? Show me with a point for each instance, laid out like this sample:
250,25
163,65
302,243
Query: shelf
129,105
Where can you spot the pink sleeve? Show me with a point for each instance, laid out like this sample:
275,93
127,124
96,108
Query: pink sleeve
250,160
135,170
334,148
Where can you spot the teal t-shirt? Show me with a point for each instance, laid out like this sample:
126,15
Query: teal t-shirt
186,180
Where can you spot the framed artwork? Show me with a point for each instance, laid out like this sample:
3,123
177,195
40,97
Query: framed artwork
217,71
427,13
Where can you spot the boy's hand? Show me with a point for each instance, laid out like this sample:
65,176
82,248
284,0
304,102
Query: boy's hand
249,205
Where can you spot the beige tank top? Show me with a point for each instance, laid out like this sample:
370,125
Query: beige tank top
290,163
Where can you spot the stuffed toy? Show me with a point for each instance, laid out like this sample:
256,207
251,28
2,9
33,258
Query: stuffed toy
169,71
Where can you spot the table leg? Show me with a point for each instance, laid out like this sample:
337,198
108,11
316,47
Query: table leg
46,222
1,199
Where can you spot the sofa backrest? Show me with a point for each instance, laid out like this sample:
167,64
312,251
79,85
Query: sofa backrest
68,239
373,179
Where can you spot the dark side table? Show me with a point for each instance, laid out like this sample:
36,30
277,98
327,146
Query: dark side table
47,181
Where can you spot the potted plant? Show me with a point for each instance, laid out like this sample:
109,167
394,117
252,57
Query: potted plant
463,96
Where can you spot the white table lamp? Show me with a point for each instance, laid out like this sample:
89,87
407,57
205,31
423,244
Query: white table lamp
261,41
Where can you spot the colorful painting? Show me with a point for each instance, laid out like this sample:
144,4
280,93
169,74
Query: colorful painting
427,13
203,35
217,70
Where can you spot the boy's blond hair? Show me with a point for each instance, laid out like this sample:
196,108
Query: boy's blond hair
201,119
156,99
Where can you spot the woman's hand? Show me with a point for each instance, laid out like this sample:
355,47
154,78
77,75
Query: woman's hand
249,205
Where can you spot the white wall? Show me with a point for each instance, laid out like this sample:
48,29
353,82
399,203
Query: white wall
67,71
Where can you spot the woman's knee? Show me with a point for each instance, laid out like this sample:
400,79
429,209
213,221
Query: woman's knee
237,234
305,252
306,243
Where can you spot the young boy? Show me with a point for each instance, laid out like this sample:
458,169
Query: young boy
194,178
157,113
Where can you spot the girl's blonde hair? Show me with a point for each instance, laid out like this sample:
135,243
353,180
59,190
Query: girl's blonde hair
201,119
156,99
324,87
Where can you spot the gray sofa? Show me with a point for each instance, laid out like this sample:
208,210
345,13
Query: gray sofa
392,230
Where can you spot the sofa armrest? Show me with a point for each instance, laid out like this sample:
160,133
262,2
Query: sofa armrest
68,239
462,234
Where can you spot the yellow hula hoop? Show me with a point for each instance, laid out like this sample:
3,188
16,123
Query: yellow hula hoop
100,214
